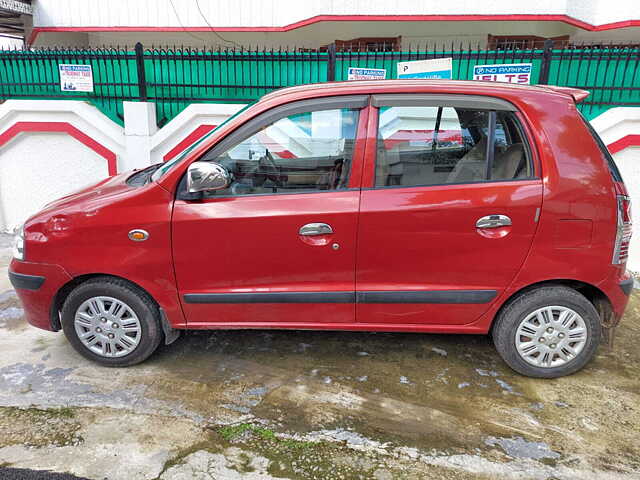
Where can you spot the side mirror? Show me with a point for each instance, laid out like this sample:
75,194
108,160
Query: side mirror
205,176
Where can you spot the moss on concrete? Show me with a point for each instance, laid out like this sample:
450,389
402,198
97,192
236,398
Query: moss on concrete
38,427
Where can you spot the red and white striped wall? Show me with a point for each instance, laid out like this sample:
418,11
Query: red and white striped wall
49,148
620,130
187,127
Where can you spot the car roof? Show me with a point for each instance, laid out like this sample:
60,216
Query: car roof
379,86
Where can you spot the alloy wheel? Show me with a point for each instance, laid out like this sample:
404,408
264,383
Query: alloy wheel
107,326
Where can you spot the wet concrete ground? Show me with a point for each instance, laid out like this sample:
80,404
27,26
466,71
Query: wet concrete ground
283,404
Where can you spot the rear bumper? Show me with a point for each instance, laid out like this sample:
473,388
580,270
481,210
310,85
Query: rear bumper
627,286
37,285
618,288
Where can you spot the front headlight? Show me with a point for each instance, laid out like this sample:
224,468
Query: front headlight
18,244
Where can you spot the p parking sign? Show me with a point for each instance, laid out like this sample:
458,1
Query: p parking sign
436,68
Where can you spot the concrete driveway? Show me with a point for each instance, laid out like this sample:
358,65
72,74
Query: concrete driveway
283,404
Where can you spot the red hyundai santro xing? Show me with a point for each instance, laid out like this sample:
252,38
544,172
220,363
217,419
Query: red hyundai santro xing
401,205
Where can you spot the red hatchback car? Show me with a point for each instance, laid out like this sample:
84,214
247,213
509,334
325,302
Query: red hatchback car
410,206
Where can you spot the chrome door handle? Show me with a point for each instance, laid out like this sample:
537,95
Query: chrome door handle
493,221
311,229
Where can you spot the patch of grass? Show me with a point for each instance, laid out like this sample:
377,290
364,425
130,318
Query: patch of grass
289,458
292,444
233,432
39,426
34,412
64,412
179,457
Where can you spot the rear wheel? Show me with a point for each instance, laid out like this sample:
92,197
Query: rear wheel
111,322
547,332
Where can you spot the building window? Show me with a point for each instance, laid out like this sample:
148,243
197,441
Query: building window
514,42
369,44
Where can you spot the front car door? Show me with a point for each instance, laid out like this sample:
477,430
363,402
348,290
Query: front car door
278,245
450,212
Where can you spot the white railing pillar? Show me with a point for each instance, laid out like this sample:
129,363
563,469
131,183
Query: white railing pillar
139,127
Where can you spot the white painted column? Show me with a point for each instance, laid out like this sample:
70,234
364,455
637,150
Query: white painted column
139,127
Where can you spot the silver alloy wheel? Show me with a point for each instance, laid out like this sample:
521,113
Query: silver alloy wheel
551,336
107,326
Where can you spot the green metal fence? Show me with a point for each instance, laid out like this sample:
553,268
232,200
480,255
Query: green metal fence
176,77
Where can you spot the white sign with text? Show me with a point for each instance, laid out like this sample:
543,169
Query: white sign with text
510,73
436,68
356,73
76,78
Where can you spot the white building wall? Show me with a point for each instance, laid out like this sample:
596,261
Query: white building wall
311,24
39,167
41,159
616,123
279,13
323,33
628,161
81,115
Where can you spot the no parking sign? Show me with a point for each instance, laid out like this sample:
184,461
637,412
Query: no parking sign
510,73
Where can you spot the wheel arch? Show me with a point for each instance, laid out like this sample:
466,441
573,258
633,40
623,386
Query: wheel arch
64,291
592,293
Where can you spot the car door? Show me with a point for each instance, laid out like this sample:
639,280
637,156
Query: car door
450,212
277,247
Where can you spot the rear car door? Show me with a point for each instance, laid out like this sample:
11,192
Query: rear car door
450,212
278,245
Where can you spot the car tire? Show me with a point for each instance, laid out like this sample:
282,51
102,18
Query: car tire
112,322
530,335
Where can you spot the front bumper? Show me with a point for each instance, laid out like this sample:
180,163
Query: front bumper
25,282
37,285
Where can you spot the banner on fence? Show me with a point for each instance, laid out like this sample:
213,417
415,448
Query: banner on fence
355,73
76,78
510,72
439,68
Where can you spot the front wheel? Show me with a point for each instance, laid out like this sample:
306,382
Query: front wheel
111,322
548,332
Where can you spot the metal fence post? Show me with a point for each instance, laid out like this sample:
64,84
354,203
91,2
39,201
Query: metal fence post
331,66
142,78
545,66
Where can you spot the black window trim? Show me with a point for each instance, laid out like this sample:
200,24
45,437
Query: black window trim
611,163
518,120
491,140
462,101
267,118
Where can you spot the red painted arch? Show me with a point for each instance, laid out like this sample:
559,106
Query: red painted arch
354,18
193,137
62,127
624,142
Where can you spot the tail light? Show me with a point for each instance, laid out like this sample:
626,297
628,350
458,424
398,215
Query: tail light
623,231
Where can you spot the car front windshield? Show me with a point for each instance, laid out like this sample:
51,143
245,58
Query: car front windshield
160,172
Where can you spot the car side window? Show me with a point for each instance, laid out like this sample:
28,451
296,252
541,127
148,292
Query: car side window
305,152
435,145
